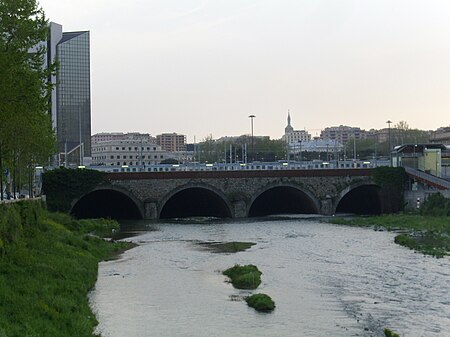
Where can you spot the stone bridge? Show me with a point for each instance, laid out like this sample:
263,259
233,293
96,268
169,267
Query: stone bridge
231,194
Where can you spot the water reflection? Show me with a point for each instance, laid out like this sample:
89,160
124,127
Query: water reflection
326,281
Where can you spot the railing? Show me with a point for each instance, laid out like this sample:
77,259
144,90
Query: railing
429,179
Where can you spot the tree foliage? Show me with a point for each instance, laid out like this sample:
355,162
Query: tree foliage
26,134
264,149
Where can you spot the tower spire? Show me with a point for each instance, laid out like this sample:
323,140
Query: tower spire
289,127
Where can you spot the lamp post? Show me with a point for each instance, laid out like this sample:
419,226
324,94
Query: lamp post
389,137
251,119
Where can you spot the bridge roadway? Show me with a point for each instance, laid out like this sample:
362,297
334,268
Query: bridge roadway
232,194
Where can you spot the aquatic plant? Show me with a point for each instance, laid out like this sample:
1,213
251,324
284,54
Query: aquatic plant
260,302
244,277
389,333
227,247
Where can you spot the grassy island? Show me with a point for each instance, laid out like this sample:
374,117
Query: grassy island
260,302
244,277
48,264
426,234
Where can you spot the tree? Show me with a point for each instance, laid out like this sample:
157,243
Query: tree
403,134
26,133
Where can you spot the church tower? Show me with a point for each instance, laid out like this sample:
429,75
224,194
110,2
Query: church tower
288,128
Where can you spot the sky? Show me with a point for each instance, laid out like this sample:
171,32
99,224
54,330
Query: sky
201,67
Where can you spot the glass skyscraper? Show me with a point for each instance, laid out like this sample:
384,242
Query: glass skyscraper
73,92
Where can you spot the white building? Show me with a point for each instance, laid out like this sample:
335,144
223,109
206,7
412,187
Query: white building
320,145
127,152
292,136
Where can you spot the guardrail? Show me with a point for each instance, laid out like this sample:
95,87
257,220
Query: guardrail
428,179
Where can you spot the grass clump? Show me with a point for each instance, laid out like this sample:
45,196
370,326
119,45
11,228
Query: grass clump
46,272
389,333
244,277
428,243
260,302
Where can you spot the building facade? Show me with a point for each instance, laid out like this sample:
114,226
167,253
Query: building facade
441,136
106,136
343,133
171,142
127,152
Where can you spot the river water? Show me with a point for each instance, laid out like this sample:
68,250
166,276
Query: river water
326,280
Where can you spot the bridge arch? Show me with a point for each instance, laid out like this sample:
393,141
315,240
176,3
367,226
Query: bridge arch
195,200
108,202
361,198
283,199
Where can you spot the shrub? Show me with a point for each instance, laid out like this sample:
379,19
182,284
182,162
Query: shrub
260,302
436,205
244,277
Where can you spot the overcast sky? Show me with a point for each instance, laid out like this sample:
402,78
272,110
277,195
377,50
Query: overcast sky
200,67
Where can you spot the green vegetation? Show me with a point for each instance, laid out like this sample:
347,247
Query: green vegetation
260,302
426,234
26,133
264,149
62,186
46,271
227,247
389,333
244,277
436,205
392,181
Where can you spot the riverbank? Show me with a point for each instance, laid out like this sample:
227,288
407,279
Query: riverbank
48,264
429,235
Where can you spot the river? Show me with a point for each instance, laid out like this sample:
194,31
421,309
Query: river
326,280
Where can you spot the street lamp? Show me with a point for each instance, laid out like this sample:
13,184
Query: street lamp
389,137
251,118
